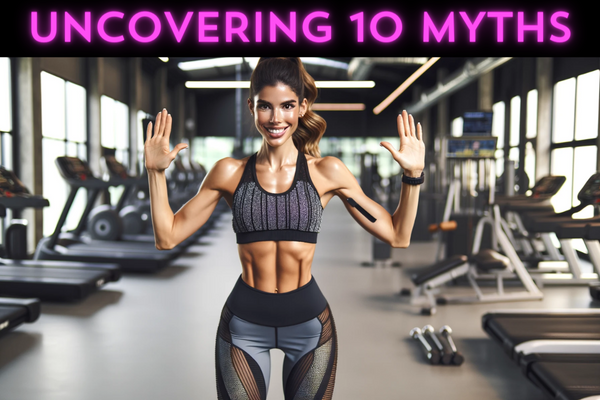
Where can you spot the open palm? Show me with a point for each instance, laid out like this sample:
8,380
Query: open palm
411,155
157,153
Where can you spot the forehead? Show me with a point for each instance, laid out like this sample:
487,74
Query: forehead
276,94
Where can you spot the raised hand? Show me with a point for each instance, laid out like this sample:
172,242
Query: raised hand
157,153
411,155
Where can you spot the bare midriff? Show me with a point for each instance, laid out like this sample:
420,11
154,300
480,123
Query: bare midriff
276,267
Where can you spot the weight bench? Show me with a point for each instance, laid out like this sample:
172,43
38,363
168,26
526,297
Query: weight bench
485,263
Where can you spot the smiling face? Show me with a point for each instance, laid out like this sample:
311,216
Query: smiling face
276,110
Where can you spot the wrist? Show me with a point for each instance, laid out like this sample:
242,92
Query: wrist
416,173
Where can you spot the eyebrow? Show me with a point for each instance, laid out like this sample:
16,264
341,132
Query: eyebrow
283,102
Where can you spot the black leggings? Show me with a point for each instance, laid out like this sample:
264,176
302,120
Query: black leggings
298,322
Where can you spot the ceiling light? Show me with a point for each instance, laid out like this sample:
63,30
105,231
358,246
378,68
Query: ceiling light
345,84
209,63
164,59
404,85
338,107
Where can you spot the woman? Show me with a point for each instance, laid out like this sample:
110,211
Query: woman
277,198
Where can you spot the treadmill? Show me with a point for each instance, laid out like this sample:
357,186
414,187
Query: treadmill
557,350
567,228
135,232
46,280
74,246
14,312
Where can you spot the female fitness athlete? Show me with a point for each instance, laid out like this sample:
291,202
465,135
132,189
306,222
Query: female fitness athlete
277,196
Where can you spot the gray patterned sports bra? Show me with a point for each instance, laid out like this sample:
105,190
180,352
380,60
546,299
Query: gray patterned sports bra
294,215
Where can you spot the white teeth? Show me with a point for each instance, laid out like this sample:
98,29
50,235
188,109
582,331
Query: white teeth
276,130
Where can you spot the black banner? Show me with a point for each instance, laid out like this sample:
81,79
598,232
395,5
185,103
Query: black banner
367,28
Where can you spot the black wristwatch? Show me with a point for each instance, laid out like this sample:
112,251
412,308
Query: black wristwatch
413,181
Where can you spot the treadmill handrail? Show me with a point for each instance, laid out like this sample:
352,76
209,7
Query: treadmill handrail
573,311
558,347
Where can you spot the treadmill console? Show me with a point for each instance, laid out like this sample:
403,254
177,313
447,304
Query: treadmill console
73,168
548,186
14,195
115,168
471,147
590,193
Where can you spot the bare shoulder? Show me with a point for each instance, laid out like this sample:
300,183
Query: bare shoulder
331,171
328,166
226,173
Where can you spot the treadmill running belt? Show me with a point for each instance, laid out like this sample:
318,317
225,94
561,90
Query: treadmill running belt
566,376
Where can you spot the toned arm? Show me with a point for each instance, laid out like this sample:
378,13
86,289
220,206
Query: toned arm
393,229
171,229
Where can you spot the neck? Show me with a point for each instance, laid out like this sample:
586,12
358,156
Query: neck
277,157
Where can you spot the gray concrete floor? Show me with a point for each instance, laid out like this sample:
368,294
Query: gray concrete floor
152,337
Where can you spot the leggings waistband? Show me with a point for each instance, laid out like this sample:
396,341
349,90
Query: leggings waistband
276,309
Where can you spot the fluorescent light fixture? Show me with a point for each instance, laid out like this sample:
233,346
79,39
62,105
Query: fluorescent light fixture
345,84
217,84
164,59
338,106
209,63
246,84
404,85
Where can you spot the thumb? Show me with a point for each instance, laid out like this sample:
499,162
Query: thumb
388,146
177,149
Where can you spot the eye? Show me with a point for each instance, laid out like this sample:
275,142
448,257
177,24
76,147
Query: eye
262,107
288,106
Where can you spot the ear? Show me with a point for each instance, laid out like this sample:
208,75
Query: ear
303,107
250,106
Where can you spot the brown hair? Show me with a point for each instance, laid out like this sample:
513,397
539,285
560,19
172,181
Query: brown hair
289,70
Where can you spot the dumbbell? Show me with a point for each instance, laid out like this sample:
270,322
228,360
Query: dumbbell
445,350
446,332
433,355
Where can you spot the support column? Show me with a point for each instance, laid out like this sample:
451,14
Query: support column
95,89
134,74
28,140
486,92
544,123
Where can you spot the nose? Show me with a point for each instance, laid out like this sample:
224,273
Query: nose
276,116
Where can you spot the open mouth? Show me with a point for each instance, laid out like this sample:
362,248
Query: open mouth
276,132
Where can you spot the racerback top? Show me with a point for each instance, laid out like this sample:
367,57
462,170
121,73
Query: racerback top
294,215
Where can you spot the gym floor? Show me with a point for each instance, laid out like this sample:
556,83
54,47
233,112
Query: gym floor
152,336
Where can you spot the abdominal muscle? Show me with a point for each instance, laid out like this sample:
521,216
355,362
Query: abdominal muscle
276,267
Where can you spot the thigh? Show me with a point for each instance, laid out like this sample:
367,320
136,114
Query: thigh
242,358
311,358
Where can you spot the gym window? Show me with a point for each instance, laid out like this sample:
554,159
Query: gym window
5,124
574,131
530,135
114,134
64,127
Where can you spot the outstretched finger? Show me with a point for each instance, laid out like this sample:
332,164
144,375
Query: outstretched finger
406,122
400,124
419,132
157,125
149,132
411,121
168,125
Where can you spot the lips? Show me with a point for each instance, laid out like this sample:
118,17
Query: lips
276,133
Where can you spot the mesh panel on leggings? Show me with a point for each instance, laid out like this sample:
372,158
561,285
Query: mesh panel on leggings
313,376
238,375
251,378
